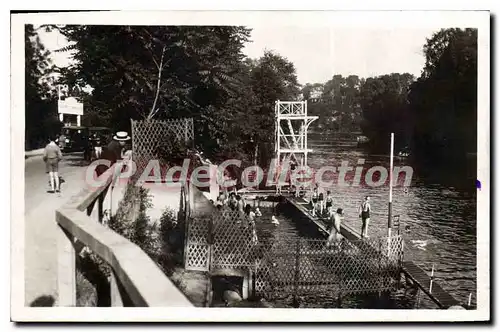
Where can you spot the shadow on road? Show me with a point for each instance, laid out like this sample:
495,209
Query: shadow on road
43,301
75,159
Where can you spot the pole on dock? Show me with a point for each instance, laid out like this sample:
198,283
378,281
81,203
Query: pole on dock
297,273
432,278
389,219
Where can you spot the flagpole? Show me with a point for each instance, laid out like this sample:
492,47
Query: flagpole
389,221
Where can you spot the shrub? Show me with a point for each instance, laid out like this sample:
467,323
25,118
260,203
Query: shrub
172,233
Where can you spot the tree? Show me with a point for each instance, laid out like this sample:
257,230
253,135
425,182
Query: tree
157,72
444,99
272,78
384,101
337,105
40,96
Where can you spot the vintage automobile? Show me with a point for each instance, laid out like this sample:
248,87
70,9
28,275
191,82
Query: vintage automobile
76,140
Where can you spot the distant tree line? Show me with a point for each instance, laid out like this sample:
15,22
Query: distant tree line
434,116
157,72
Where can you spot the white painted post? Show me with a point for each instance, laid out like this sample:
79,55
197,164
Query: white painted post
470,300
78,120
66,269
389,221
244,290
432,278
116,297
305,132
214,186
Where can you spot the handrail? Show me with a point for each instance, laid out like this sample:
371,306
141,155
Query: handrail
136,279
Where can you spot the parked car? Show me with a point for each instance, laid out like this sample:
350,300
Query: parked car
76,139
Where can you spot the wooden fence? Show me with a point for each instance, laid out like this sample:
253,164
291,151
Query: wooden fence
136,280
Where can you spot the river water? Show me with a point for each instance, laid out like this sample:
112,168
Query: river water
438,222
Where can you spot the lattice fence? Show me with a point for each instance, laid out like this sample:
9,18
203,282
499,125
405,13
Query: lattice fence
284,266
223,240
197,244
149,135
304,266
233,244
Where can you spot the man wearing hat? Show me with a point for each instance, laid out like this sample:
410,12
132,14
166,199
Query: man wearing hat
113,151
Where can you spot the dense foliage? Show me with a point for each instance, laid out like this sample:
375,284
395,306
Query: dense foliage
160,72
336,102
384,100
444,99
40,95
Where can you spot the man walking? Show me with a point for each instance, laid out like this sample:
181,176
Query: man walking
364,214
51,156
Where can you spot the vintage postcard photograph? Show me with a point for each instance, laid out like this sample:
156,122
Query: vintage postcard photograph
250,166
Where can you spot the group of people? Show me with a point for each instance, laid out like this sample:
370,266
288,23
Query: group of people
321,203
116,150
237,203
337,216
322,206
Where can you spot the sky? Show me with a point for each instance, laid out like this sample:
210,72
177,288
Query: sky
318,53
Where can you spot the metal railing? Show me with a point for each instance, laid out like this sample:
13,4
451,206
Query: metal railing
136,280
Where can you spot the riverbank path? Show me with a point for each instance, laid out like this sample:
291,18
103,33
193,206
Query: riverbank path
40,246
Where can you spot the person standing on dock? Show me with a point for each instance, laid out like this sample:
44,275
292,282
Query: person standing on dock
335,236
251,219
240,205
364,214
314,200
328,201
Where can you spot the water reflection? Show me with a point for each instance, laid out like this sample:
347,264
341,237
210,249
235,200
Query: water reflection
438,221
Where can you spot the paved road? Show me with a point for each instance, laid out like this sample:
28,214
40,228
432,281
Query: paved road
40,227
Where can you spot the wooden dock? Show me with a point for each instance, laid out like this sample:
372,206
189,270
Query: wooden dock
413,272
437,294
346,231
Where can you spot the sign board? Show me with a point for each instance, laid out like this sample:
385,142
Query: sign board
70,106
